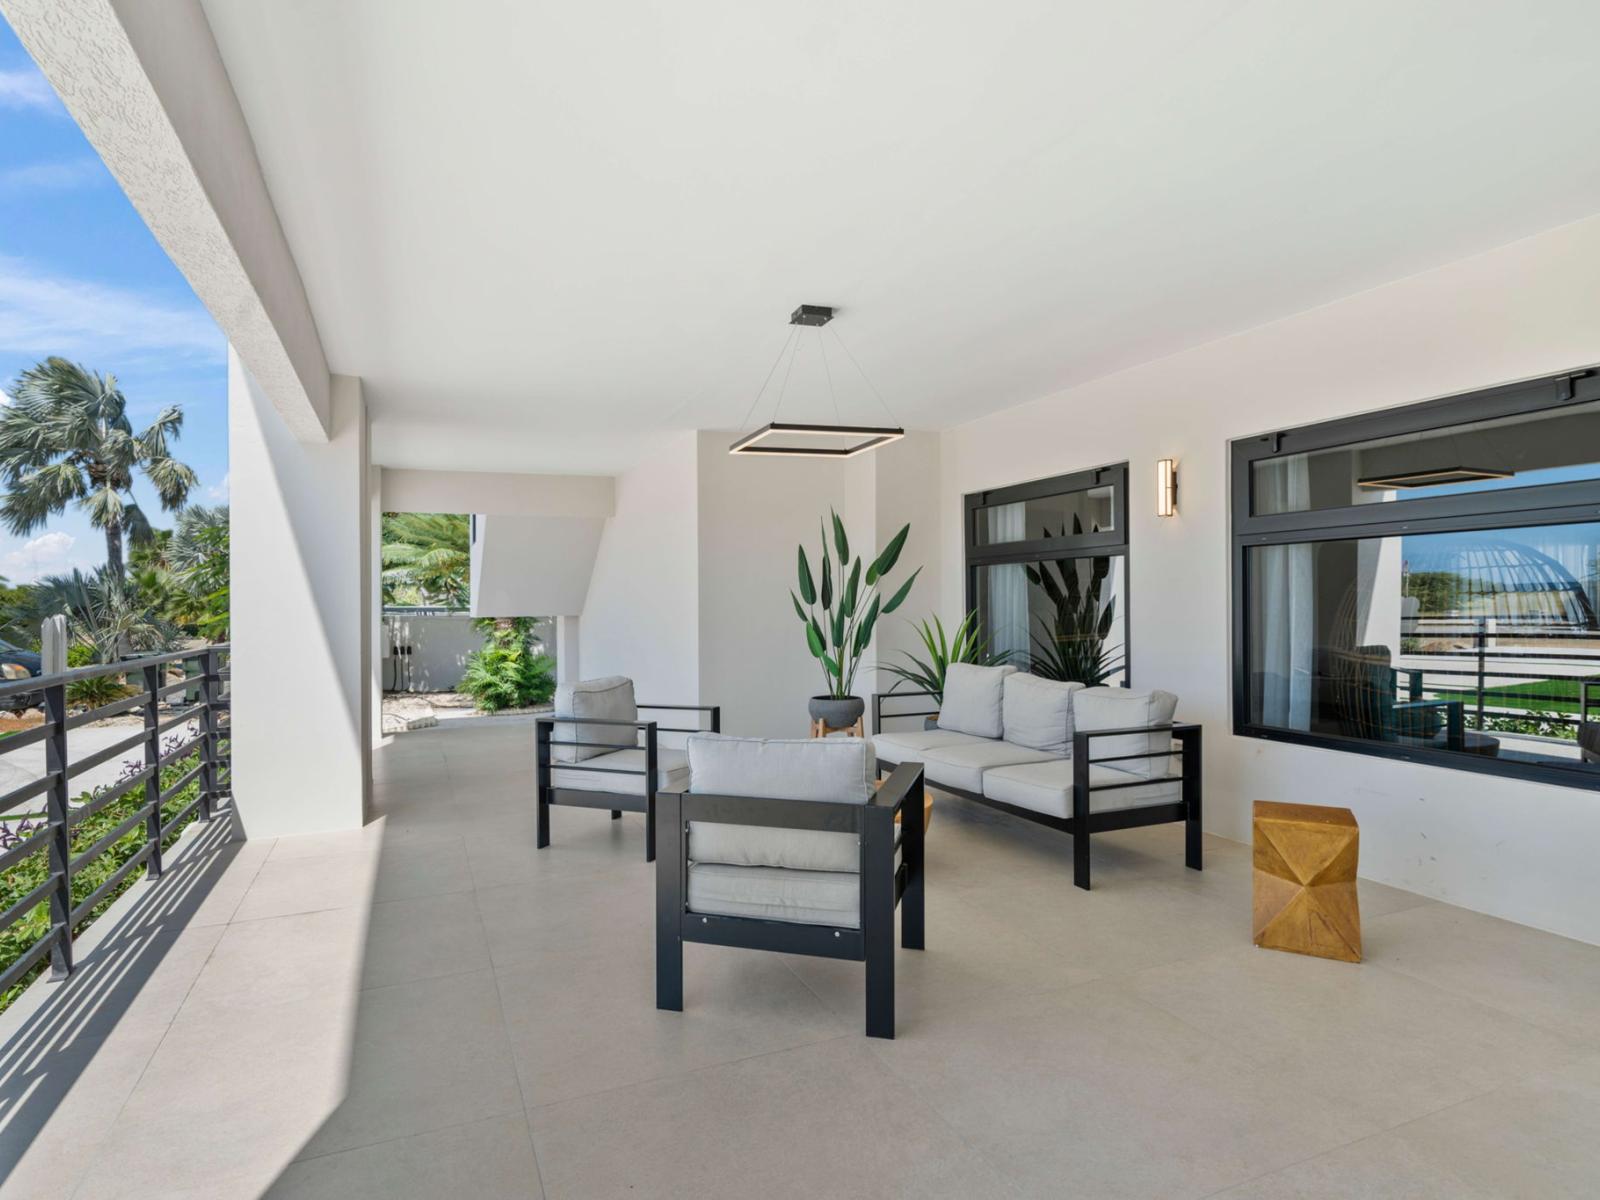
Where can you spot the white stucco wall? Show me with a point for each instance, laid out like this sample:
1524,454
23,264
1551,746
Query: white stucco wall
640,618
302,591
1519,850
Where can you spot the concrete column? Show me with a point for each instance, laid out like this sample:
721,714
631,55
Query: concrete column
302,597
567,666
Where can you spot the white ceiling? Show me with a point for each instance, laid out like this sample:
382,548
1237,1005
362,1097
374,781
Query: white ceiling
546,233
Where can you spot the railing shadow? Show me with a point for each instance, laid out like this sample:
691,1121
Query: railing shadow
61,1024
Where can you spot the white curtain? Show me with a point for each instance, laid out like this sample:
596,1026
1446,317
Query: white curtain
1008,586
1284,636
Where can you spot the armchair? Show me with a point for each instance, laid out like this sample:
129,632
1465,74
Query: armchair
786,846
589,755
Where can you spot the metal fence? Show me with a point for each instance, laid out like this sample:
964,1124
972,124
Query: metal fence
202,699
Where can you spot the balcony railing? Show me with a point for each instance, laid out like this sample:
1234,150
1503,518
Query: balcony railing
169,778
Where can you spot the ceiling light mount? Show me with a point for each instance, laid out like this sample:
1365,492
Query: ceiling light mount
812,314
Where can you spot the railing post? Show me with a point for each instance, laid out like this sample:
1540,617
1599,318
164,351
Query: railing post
1483,642
56,760
152,764
210,690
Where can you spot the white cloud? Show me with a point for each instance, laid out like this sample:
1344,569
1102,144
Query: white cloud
61,176
42,315
24,87
217,493
47,554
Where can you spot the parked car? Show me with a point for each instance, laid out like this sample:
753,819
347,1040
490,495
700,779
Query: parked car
17,663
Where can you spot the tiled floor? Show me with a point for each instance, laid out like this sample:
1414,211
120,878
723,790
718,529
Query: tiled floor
429,1007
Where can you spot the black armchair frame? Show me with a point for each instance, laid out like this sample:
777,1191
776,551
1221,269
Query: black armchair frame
1187,808
883,886
617,802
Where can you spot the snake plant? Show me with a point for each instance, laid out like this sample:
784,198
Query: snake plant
839,620
1071,643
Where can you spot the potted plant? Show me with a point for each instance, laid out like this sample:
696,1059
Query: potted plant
964,646
1071,644
839,619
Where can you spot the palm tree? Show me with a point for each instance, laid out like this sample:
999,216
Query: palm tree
103,611
426,559
65,437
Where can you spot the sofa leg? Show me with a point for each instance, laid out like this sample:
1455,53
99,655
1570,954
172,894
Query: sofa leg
880,988
670,885
541,821
877,919
1080,858
650,830
1189,743
616,814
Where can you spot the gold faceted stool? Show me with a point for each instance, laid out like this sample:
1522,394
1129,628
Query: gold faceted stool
1305,880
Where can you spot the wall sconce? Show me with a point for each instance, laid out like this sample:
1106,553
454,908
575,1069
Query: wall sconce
1166,487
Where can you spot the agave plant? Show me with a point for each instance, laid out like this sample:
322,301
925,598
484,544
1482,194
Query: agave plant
966,645
1071,643
839,634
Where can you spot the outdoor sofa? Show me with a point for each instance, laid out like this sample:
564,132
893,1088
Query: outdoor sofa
590,755
1081,760
789,846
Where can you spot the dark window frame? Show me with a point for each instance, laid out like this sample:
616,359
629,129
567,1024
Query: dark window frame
1575,502
1109,543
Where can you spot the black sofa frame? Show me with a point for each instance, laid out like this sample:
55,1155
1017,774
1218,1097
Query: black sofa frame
617,802
1185,809
883,886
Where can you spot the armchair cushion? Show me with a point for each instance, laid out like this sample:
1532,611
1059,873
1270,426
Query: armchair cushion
972,699
1120,708
607,699
819,769
672,772
774,894
1038,712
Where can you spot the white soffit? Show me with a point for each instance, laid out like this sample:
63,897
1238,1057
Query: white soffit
545,234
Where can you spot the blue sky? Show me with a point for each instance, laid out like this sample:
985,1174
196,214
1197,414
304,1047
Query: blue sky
81,276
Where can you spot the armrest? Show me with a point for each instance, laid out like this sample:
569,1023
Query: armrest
903,781
682,707
1180,730
715,711
877,707
543,727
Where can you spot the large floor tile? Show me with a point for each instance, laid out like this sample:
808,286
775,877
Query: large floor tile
822,1120
1092,1092
568,908
585,1021
1388,1046
423,937
306,884
1538,977
485,1160
282,960
423,1056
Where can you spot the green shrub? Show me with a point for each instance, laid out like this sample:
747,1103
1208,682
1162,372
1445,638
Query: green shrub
510,671
20,879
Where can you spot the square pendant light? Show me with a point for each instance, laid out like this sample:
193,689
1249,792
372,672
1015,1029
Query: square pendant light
1432,477
815,441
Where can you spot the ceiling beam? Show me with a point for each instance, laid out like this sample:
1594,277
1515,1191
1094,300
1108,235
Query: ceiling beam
145,83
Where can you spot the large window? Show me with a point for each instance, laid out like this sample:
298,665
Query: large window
1047,572
1424,583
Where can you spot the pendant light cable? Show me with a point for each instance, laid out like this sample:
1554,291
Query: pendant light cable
756,399
864,376
827,370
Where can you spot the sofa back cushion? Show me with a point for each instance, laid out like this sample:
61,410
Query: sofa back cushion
608,699
1037,713
836,769
1122,708
972,699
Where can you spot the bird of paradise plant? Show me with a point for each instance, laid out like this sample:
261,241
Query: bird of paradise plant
1071,645
965,645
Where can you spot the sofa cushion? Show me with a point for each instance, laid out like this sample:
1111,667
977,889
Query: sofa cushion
908,745
836,769
972,699
1038,712
607,699
1120,708
1046,788
672,773
962,766
771,894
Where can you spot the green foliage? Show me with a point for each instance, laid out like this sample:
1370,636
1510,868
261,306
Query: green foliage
512,670
1438,593
1534,722
426,559
65,439
20,879
964,646
840,633
104,610
1070,643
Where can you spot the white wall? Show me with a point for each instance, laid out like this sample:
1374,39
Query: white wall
906,489
1519,850
640,617
409,490
532,566
302,593
438,647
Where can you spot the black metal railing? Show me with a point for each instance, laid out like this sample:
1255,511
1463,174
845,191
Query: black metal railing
195,705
